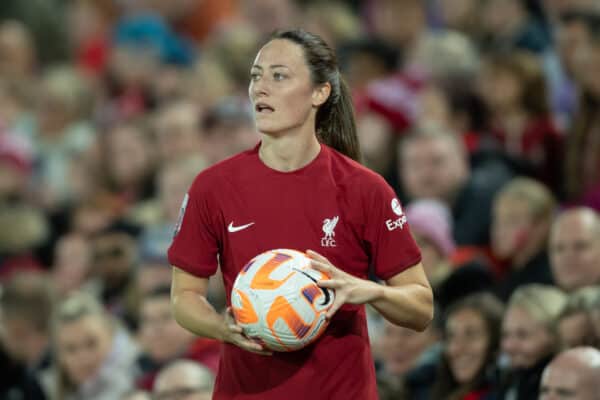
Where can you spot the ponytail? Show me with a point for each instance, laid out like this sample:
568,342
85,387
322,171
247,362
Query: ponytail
335,122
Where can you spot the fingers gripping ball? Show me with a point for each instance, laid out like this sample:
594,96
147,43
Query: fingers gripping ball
276,300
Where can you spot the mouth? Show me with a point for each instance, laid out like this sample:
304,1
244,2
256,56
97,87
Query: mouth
262,108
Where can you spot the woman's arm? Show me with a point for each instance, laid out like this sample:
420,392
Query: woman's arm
406,300
192,311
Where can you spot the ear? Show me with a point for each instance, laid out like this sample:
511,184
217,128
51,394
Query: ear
321,94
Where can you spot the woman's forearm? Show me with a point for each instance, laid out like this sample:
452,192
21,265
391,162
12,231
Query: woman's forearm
408,305
193,312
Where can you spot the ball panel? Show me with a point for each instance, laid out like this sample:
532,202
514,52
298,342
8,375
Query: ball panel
243,310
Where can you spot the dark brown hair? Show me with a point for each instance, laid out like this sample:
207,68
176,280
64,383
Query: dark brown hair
335,124
491,311
528,71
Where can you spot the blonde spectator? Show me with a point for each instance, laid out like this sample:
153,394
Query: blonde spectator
522,215
94,355
529,339
62,131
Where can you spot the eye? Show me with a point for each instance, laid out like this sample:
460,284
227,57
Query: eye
278,76
254,76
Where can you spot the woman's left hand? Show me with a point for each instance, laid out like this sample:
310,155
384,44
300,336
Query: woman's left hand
348,288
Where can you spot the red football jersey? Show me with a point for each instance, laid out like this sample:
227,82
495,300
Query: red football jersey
240,208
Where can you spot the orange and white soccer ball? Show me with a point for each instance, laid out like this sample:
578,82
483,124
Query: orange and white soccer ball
276,300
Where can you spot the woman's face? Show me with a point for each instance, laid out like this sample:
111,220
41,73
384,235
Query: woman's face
525,340
575,330
159,334
499,88
130,155
467,343
82,347
402,347
511,224
281,90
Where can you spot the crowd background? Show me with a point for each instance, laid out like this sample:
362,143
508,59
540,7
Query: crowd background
484,115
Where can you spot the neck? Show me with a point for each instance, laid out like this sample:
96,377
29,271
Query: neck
288,152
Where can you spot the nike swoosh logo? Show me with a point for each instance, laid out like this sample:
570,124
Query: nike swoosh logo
232,228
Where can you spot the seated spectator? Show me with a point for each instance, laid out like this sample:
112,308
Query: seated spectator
575,249
72,263
17,51
95,357
402,349
514,88
178,133
129,156
114,262
583,144
573,374
163,340
431,226
61,132
184,379
172,181
228,129
574,325
25,306
433,163
471,343
528,339
522,216
463,16
508,24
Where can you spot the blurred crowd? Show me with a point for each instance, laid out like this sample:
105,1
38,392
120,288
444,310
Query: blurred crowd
483,115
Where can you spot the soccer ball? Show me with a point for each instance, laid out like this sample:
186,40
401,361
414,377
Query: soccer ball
276,300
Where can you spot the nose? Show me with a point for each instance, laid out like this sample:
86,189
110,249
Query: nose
454,347
257,88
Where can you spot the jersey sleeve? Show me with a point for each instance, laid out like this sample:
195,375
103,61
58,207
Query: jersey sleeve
195,244
387,233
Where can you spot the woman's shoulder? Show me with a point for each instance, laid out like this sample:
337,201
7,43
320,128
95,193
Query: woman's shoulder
226,169
349,171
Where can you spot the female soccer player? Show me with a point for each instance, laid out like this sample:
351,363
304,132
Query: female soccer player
300,188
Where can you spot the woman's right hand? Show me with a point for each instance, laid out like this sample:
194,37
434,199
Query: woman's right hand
233,334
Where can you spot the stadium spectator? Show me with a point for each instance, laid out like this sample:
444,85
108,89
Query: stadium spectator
26,304
515,91
471,346
94,356
529,340
163,340
574,324
574,249
522,216
184,379
433,163
573,374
